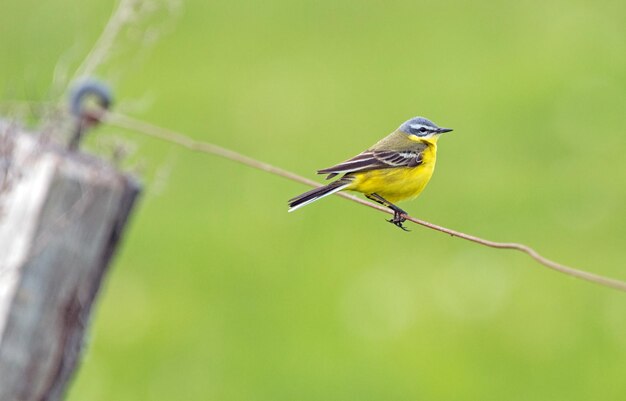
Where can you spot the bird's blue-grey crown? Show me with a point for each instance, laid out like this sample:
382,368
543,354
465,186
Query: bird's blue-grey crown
420,126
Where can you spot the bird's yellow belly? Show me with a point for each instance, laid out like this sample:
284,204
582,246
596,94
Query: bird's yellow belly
394,184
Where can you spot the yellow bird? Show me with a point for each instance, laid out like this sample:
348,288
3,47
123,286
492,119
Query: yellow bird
396,168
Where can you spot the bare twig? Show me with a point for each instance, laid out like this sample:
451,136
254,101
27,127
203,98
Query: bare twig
125,23
122,15
154,131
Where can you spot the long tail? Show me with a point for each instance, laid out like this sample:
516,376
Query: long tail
317,193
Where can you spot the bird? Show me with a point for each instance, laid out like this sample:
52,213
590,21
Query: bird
394,169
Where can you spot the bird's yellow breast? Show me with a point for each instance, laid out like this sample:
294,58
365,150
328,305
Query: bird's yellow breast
397,184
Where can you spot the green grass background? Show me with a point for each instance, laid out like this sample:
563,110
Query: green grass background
218,294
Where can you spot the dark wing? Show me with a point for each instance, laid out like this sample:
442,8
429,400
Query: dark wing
374,160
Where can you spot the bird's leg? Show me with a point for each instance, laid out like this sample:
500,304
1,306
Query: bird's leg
398,219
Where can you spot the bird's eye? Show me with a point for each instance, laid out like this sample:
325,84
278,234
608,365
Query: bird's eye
423,129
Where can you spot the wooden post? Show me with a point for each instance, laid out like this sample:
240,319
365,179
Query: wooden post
61,217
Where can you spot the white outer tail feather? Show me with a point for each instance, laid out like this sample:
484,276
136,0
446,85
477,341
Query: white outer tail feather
319,197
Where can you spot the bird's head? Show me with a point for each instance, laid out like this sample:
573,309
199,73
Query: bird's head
421,128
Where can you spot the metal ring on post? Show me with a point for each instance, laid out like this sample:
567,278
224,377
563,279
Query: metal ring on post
85,118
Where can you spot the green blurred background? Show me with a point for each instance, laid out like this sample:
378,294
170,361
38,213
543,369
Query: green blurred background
219,294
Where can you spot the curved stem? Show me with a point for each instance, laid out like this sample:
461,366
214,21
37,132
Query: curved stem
154,131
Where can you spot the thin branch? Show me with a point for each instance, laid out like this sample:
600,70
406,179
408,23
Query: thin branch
124,23
154,131
122,15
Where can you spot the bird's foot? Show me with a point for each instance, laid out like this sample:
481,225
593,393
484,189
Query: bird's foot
398,219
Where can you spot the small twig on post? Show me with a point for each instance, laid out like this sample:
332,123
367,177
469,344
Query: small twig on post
122,15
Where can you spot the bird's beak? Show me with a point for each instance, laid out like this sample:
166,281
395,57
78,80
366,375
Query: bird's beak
442,130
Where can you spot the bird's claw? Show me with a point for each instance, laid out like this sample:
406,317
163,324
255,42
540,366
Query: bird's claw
398,220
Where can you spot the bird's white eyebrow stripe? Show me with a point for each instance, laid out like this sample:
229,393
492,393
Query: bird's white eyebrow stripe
417,126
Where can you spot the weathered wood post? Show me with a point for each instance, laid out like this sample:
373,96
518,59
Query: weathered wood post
61,217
